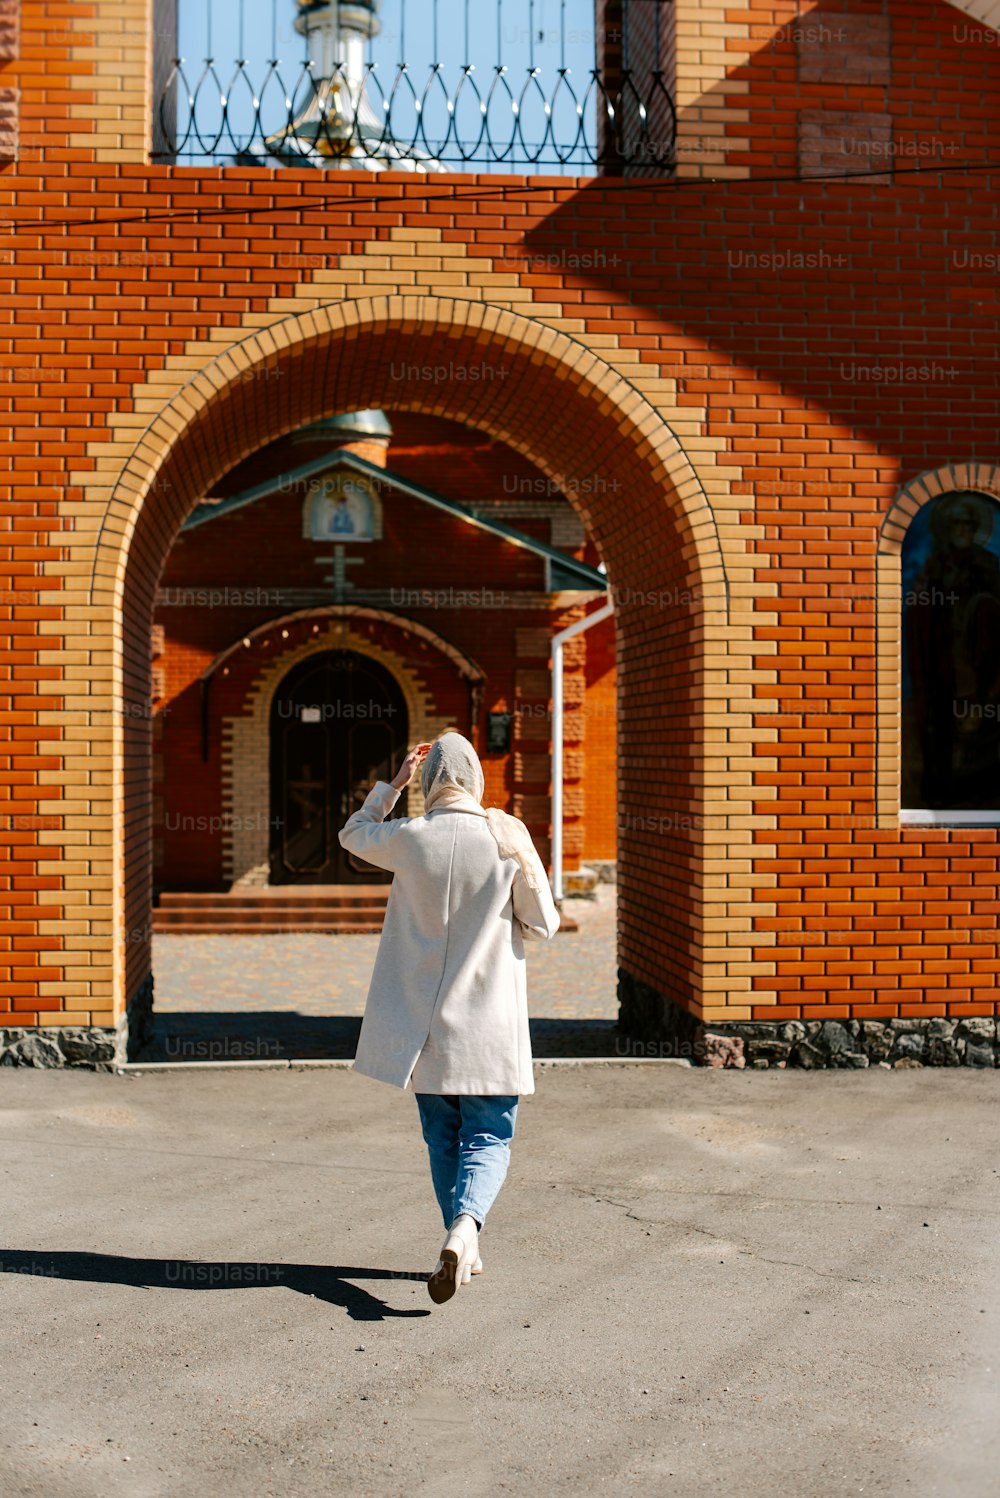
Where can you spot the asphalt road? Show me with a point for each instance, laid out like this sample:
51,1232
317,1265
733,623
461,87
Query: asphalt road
697,1282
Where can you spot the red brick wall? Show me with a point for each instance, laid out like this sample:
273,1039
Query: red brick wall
773,302
815,70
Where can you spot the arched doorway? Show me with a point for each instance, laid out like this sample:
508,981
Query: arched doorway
338,724
587,425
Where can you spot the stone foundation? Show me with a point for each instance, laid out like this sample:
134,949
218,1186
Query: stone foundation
58,1045
654,1026
649,1024
83,1046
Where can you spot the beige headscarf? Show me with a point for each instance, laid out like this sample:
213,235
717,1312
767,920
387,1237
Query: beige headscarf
451,775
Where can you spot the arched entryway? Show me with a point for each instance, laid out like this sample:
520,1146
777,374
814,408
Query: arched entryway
234,697
688,820
338,724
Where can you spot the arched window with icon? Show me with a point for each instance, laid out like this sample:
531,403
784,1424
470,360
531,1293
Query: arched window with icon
950,680
340,507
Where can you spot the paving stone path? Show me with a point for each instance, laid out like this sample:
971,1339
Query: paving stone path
273,997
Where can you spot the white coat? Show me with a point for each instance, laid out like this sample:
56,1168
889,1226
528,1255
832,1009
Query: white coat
447,1008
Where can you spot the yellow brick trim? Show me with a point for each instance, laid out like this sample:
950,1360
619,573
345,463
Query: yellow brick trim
113,56
707,51
986,11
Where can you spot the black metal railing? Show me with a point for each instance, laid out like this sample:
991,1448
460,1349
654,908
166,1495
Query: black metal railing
539,96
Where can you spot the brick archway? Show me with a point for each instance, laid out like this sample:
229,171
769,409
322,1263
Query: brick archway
478,339
674,574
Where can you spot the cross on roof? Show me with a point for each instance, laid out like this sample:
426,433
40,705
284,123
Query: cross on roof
338,577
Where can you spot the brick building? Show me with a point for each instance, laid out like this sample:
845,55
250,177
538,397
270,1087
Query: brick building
761,378
434,619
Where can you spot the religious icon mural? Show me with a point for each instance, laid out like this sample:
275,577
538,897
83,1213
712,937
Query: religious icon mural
951,655
339,505
341,522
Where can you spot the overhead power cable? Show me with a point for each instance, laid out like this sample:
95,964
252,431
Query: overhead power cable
449,192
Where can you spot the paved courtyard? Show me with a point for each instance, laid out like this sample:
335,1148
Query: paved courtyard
272,997
698,1282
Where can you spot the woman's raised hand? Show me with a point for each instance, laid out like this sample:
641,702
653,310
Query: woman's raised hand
413,760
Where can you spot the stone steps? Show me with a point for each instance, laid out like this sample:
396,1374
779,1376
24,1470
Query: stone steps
335,908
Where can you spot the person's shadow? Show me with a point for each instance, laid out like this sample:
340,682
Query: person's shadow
330,1283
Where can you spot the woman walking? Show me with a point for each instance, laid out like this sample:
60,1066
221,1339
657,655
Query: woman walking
447,1008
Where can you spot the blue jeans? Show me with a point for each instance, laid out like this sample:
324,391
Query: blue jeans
468,1140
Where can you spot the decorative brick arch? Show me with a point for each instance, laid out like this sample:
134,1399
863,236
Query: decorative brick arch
686,588
983,477
259,357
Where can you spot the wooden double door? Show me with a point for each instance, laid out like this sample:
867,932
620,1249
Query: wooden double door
338,724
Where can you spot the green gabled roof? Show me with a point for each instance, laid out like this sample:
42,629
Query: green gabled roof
590,578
